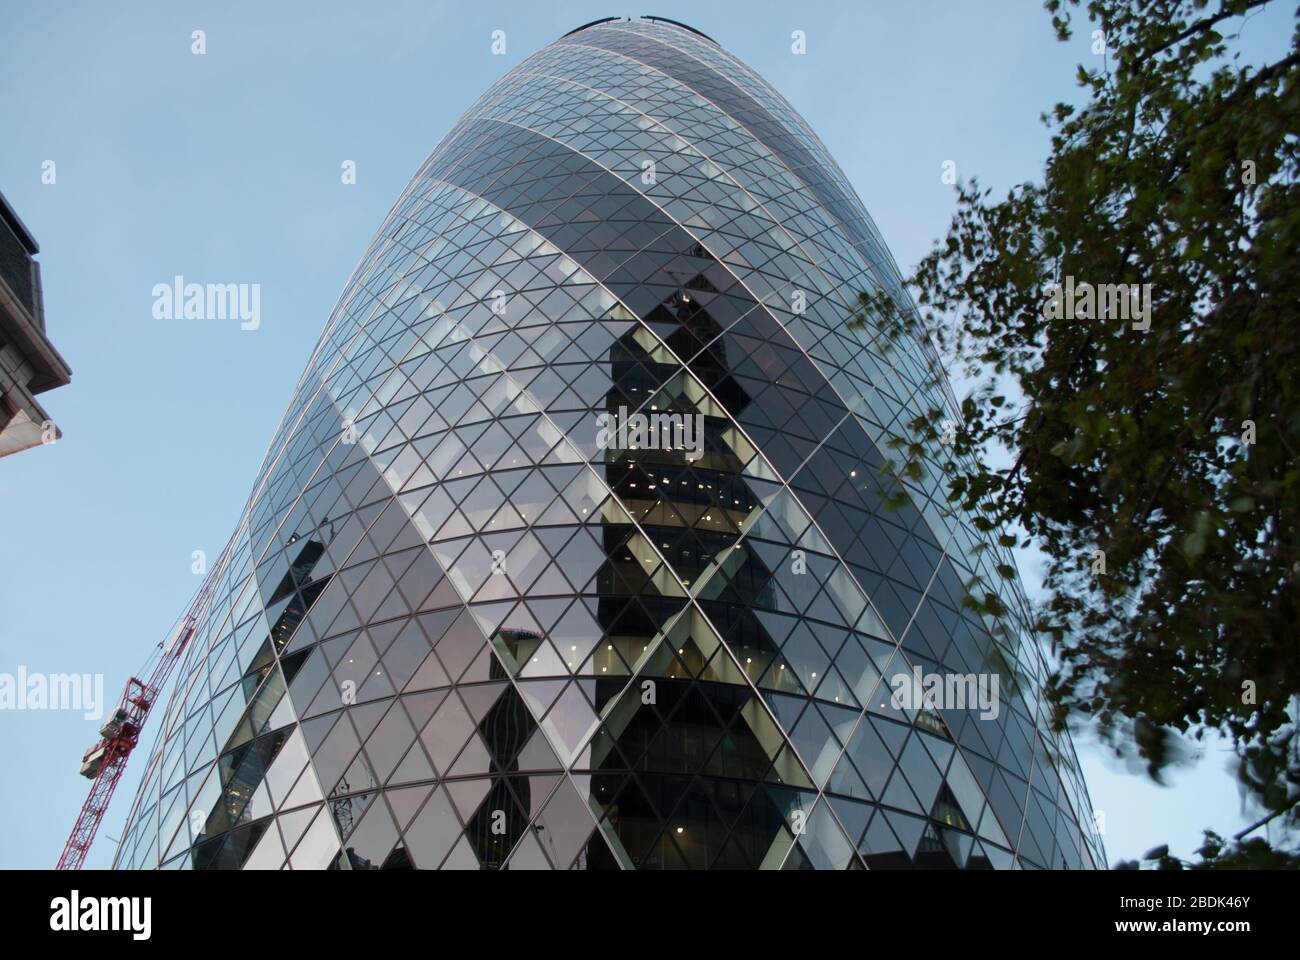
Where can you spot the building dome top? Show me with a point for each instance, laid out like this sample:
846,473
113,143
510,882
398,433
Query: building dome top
675,23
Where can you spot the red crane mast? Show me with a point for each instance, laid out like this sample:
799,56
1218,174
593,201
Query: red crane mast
105,762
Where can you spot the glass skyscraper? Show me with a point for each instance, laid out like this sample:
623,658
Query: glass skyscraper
575,549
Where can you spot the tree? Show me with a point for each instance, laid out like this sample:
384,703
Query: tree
1131,323
1216,853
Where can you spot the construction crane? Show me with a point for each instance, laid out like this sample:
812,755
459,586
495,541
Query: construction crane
105,762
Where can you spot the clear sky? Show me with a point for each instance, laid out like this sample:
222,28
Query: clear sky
226,168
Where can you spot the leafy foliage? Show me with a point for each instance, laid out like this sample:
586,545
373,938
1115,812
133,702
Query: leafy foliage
1216,853
1172,450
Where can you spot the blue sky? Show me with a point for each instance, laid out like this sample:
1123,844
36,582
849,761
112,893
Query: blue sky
226,167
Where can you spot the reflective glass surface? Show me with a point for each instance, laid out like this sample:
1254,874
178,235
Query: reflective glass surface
461,627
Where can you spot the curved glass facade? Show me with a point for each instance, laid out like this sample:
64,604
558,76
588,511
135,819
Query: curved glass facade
574,549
